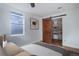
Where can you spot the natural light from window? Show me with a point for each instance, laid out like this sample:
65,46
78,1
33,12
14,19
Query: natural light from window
17,24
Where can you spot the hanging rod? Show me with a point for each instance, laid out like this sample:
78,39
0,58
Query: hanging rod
59,15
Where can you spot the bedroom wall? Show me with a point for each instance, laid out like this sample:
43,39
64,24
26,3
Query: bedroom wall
30,36
4,27
70,26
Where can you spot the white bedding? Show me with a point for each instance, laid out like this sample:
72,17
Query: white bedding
40,50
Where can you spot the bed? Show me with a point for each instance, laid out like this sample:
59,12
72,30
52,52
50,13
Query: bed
11,49
35,49
43,49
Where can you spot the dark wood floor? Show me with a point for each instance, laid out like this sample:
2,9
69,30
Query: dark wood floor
68,50
57,42
71,51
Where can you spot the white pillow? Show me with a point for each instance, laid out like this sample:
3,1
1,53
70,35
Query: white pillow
12,49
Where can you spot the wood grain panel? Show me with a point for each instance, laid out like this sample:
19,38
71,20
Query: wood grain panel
47,30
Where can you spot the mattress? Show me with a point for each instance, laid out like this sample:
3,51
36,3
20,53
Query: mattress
40,50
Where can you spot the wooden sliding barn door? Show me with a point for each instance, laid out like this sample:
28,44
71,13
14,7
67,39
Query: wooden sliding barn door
47,30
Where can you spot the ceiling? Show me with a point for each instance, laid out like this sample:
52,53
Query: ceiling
43,9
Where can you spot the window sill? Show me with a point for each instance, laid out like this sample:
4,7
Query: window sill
17,35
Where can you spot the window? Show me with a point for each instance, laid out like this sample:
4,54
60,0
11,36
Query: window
17,23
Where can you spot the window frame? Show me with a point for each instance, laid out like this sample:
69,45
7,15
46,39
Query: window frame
23,25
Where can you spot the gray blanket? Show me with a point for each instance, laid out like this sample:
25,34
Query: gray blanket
52,47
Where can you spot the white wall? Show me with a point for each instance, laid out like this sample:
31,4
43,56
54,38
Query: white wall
4,27
70,27
30,36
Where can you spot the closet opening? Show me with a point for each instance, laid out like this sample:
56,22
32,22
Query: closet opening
57,31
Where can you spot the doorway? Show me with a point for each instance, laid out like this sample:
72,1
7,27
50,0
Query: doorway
57,31
52,31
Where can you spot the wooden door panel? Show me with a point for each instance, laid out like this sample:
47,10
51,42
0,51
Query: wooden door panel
47,30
